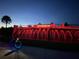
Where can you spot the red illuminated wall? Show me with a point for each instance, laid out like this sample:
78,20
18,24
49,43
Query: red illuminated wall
66,34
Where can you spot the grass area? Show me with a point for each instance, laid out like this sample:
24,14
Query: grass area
51,45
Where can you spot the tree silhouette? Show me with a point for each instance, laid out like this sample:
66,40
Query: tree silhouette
39,23
66,24
51,23
6,19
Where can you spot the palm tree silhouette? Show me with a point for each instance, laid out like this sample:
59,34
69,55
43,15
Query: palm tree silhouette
6,19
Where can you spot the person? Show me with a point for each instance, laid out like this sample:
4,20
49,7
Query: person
18,44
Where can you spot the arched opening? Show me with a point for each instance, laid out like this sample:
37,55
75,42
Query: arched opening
76,36
62,36
68,37
52,35
57,38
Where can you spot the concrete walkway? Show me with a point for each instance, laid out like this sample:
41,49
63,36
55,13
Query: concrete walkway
28,52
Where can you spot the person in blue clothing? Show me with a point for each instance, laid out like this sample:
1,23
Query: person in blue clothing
17,44
16,47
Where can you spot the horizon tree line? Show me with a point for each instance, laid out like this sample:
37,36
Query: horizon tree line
7,20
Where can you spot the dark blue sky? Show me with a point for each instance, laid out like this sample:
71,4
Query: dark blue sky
27,12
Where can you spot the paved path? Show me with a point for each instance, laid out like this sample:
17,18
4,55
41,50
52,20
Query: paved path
28,52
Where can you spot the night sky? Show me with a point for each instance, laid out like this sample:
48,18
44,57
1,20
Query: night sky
25,12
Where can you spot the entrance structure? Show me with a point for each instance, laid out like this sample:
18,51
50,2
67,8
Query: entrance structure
47,32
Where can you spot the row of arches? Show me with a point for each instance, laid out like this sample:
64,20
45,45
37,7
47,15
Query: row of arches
54,35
